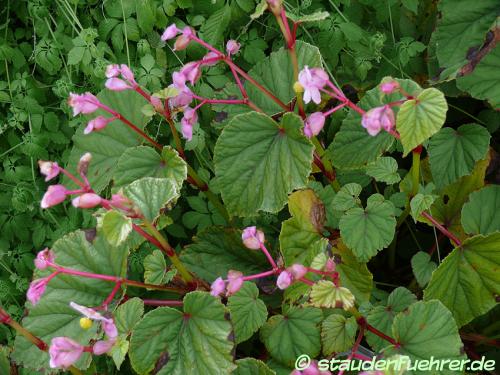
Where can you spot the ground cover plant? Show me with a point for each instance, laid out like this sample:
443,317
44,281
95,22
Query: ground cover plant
217,187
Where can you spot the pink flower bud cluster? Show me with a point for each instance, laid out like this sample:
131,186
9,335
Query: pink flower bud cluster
126,82
291,274
231,285
378,118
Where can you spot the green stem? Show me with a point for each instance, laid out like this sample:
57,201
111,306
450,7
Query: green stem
186,276
326,163
415,172
175,134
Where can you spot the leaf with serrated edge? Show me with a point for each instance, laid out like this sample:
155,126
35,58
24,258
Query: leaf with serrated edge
258,162
384,169
195,341
115,227
366,231
422,267
453,153
420,118
337,333
294,333
468,281
481,214
248,312
252,366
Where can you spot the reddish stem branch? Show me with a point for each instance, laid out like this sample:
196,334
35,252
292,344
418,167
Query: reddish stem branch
442,229
161,302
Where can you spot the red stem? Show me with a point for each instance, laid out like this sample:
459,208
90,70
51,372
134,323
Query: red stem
269,257
442,229
73,178
355,346
375,331
168,251
259,275
161,302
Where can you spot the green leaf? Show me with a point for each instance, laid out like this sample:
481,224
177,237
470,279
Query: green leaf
248,312
354,275
115,227
420,118
382,317
275,73
325,293
463,25
422,267
427,330
214,27
258,162
481,214
53,316
344,151
411,5
217,250
384,169
347,197
146,15
128,314
252,366
151,194
259,10
119,351
155,269
304,227
468,281
143,161
107,145
367,231
483,82
188,343
337,333
292,334
453,153
420,203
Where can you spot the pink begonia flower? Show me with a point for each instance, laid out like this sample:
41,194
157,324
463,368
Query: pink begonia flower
103,346
330,265
183,99
191,71
378,118
284,280
87,200
232,47
128,75
54,195
311,370
188,120
217,287
314,123
49,169
83,103
43,258
234,282
252,238
64,352
87,312
312,80
117,84
209,56
179,81
99,123
119,200
298,271
112,70
36,289
389,87
109,328
170,32
157,103
183,40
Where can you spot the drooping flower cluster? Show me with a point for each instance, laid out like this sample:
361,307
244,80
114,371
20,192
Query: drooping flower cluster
289,275
378,118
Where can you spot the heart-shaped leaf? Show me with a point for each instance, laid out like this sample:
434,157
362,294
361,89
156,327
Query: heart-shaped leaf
337,333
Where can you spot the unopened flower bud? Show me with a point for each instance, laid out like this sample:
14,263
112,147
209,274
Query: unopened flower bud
252,238
83,163
87,200
284,280
49,169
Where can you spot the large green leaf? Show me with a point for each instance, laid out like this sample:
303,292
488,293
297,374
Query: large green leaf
304,227
345,150
275,73
381,317
258,162
191,342
248,312
481,214
420,118
294,333
367,231
337,333
427,330
151,194
453,153
143,161
108,145
483,82
217,250
468,281
463,25
52,316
